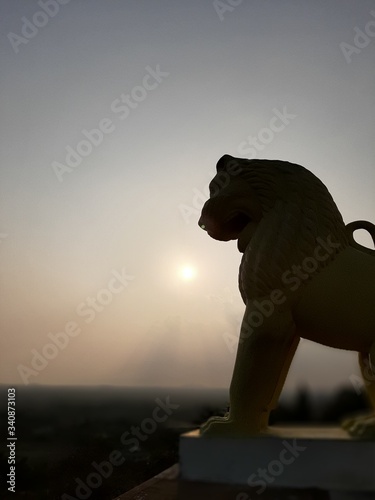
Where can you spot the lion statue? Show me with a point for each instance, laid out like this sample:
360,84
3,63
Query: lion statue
302,274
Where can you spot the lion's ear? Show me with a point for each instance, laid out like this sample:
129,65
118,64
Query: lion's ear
221,164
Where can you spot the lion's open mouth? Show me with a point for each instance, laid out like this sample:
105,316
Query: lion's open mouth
236,226
237,223
241,227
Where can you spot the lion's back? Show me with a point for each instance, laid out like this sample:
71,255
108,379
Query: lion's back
337,307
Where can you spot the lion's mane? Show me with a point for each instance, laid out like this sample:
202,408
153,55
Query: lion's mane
298,212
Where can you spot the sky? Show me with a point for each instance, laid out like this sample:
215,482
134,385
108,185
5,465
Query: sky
113,116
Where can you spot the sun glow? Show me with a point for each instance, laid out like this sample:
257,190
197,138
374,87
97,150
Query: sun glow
187,273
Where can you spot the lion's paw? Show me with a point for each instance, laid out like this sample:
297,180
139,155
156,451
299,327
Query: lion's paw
224,426
211,423
362,427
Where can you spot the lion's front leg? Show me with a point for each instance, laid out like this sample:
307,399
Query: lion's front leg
265,350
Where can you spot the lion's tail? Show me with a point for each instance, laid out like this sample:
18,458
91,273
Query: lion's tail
361,224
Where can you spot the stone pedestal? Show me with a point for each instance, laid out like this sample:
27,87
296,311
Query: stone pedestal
325,458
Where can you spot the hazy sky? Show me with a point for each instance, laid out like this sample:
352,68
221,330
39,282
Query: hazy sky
94,242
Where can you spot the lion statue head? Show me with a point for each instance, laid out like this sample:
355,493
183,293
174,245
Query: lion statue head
277,211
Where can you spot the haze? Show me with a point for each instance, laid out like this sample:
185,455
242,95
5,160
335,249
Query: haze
98,228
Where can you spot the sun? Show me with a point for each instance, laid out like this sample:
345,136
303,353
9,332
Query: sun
187,273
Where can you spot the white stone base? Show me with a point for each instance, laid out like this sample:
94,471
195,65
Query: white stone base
292,457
